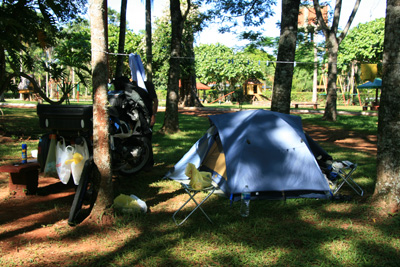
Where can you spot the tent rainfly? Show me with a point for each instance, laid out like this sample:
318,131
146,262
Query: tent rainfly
268,151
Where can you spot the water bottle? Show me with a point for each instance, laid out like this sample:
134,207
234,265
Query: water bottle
245,206
24,153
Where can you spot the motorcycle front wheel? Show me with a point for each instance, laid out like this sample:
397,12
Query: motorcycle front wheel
136,156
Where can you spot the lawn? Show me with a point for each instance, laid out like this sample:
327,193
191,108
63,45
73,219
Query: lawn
293,232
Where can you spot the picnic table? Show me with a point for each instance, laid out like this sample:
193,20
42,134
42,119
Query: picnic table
23,178
297,104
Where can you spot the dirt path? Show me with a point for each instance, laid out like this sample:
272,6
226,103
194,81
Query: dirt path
359,142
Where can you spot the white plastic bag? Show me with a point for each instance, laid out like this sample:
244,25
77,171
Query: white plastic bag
79,158
130,204
142,204
50,169
63,154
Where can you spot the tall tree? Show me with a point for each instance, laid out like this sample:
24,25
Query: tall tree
149,45
332,44
193,24
286,55
161,53
121,42
101,150
387,188
188,95
171,121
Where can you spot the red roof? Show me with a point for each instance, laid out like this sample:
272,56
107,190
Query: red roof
199,86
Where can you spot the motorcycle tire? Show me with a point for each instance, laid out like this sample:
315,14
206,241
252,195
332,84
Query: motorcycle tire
133,165
85,195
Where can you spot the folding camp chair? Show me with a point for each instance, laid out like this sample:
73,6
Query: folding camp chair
192,192
344,170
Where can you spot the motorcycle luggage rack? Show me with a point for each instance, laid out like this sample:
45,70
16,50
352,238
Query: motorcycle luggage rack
65,117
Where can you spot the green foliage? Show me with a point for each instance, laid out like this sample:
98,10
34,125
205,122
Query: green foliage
162,46
114,17
253,13
302,80
27,24
363,43
260,57
74,49
259,42
220,64
161,52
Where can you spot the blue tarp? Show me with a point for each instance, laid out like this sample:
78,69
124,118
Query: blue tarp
268,151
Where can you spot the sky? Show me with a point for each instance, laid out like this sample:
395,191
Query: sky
368,11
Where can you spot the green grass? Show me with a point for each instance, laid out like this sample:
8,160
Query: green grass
21,126
364,124
295,232
321,107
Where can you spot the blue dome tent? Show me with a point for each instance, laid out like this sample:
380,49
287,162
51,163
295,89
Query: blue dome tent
268,151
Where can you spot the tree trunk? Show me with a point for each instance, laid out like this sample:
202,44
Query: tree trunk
387,189
189,97
3,76
188,92
149,45
315,74
331,98
121,41
101,149
333,42
351,90
286,55
171,121
73,83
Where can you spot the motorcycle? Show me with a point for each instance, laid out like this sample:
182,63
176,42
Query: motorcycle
130,146
129,133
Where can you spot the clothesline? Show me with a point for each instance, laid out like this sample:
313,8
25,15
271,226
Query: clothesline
267,62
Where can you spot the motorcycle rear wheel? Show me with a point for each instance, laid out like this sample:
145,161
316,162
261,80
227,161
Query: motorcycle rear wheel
133,164
85,195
